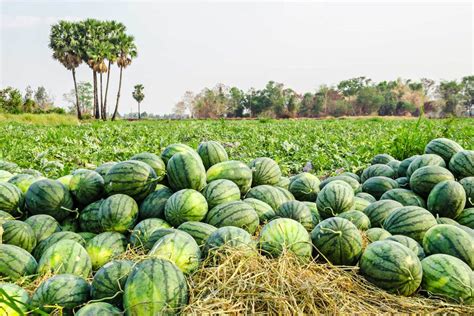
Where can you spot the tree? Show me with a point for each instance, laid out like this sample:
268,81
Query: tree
179,109
86,97
42,98
138,95
11,100
368,100
236,103
450,92
468,94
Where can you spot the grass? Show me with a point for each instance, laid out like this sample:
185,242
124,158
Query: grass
39,119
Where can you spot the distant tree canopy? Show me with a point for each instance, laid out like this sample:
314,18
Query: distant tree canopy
357,96
33,101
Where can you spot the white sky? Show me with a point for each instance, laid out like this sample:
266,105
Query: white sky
191,45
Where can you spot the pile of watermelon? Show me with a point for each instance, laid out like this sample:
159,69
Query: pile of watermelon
408,225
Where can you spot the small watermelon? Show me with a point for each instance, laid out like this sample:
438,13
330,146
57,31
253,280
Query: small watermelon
314,212
410,243
360,204
264,171
172,149
284,183
411,221
89,218
49,197
403,182
382,159
11,199
54,238
404,197
104,168
221,191
424,161
273,196
235,171
212,153
447,199
366,196
86,186
157,235
264,211
185,205
228,237
394,164
462,164
358,218
443,147
153,206
238,214
378,211
423,180
70,224
186,171
109,281
5,176
377,170
118,213
304,187
404,164
298,211
143,230
23,181
98,308
335,198
155,162
468,185
16,262
376,234
466,217
104,247
199,231
14,300
355,185
378,185
43,226
20,234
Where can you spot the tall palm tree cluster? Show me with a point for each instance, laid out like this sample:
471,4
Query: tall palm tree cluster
99,44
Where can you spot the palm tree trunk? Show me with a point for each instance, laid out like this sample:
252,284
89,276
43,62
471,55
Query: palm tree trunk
106,91
95,95
118,95
139,116
79,116
96,98
101,98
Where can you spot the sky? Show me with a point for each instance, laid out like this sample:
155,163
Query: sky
195,44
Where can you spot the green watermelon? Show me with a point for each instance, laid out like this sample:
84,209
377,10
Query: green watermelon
462,164
11,199
445,220
352,175
118,213
185,205
109,281
89,219
411,221
155,287
283,235
273,196
394,164
378,211
304,187
5,176
447,199
86,186
211,153
49,197
443,147
410,243
237,213
54,238
358,218
314,212
153,206
335,198
157,235
14,300
338,241
366,196
172,149
403,182
378,185
65,180
43,226
355,185
155,162
235,171
87,235
264,211
64,290
468,185
143,230
382,159
65,256
16,262
284,183
104,247
4,216
360,204
404,197
23,181
424,161
404,164
221,191
377,170
450,240
186,171
199,231
97,309
423,180
298,211
70,224
466,217
264,171
447,276
228,237
20,234
376,234
104,168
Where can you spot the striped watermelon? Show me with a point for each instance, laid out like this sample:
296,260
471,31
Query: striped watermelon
104,168
180,248
157,235
87,235
462,164
109,281
283,235
235,171
16,262
410,243
118,213
89,219
211,153
65,180
314,212
228,237
20,234
54,238
49,197
298,211
264,211
172,149
284,183
468,185
338,241
304,187
359,219
447,199
411,221
11,199
360,204
424,161
86,186
335,198
443,147
143,230
237,213
14,300
366,196
221,191
143,296
70,224
449,277
104,247
449,240
424,179
394,164
377,170
378,185
133,178
23,181
273,196
64,290
403,182
155,162
445,220
154,204
404,164
351,174
65,256
376,234
404,197
382,159
466,217
355,185
5,176
186,171
199,231
98,308
43,226
185,205
264,171
4,216
378,211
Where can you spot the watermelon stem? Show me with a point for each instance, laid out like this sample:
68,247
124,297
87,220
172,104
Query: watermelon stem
76,211
107,298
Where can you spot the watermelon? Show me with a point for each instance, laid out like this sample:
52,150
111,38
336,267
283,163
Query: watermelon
352,175
133,178
185,205
410,243
468,185
443,147
284,183
199,231
70,224
23,181
335,198
143,230
424,179
403,182
366,196
54,238
157,235
186,171
447,199
237,213
404,197
8,166
11,199
172,149
392,267
180,248
89,219
462,164
228,237
264,211
118,213
283,235
5,176
304,187
221,191
447,276
394,164
4,216
20,234
382,159
104,168
65,180
466,217
65,256
273,196
378,211
16,262
378,185
445,220
235,171
32,172
43,226
14,300
377,170
211,153
404,164
424,161
360,204
264,171
376,234
87,235
109,281
104,247
155,162
64,290
154,204
355,185
314,212
449,240
155,287
86,186
358,218
49,197
98,308
411,221
298,211
338,241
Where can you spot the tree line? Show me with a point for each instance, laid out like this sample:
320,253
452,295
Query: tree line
353,97
32,101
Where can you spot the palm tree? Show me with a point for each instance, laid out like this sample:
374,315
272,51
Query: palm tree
138,95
